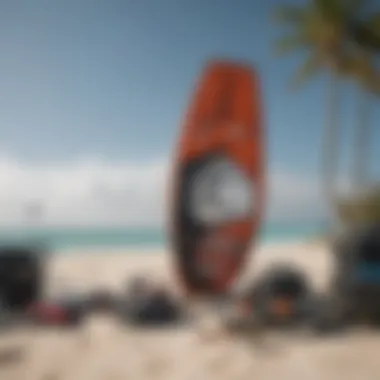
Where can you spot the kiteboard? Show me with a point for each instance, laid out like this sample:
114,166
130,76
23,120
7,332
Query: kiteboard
218,193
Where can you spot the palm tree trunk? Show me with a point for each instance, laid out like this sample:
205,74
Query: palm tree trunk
331,144
361,143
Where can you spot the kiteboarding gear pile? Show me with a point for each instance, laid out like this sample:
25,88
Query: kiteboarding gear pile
146,304
354,294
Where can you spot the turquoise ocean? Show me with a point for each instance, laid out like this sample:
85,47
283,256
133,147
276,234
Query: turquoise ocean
58,239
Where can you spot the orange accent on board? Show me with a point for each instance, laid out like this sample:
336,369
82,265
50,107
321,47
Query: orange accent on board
224,116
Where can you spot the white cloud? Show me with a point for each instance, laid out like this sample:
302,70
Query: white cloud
93,191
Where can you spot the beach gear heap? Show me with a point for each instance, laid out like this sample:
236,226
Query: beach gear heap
23,299
354,292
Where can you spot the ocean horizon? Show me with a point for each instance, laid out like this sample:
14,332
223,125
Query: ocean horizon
69,238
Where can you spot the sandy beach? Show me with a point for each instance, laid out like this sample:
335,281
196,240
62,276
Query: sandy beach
104,348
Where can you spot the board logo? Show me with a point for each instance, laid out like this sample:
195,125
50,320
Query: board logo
220,192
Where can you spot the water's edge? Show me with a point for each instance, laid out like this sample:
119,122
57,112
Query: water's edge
58,239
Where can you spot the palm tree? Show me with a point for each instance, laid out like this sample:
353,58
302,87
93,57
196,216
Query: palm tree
362,135
364,204
321,29
366,36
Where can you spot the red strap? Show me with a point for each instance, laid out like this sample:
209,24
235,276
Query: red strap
51,313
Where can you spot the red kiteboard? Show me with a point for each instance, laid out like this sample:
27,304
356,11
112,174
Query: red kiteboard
219,179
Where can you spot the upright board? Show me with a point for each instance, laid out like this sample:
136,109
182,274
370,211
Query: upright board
218,179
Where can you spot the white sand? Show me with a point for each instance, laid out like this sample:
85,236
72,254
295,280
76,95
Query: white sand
105,349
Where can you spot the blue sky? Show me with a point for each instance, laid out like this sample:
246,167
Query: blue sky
111,79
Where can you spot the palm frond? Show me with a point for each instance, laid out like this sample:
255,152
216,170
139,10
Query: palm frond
373,22
343,11
358,64
353,8
366,34
329,9
308,69
374,84
372,25
291,43
289,15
